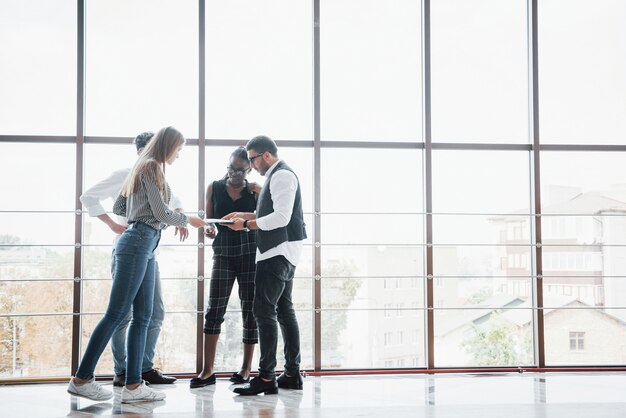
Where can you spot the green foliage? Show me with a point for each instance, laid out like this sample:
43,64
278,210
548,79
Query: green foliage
498,342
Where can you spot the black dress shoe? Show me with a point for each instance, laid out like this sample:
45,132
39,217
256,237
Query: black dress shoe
155,377
197,382
290,382
119,380
238,379
256,386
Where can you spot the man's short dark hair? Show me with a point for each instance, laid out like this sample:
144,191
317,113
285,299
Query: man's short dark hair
262,144
142,140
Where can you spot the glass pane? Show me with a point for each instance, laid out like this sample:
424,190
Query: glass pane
582,72
567,189
481,182
483,337
142,72
88,324
371,70
38,50
481,229
590,291
36,297
391,342
96,294
399,192
37,228
36,262
179,294
486,293
176,347
97,262
372,229
178,262
479,71
259,71
35,346
46,182
482,261
103,159
580,336
589,267
372,261
396,295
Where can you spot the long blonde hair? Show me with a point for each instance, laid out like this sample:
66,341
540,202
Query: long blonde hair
151,162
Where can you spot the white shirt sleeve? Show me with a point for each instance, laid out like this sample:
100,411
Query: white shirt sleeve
109,188
283,187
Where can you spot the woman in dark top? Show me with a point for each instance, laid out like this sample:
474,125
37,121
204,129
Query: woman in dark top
233,258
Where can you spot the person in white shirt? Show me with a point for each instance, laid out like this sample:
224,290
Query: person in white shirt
92,198
280,227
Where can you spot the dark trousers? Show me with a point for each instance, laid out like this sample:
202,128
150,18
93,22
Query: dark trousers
227,269
273,306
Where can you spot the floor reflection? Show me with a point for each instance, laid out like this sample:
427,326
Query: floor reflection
551,395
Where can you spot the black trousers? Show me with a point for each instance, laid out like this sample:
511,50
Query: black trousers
273,306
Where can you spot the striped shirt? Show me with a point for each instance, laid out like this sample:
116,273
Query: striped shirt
148,206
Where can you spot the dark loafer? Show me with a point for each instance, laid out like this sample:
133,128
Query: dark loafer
119,380
196,382
238,379
290,382
155,377
256,386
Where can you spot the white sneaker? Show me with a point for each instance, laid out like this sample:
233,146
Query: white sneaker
90,390
141,394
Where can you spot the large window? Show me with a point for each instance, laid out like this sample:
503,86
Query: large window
424,135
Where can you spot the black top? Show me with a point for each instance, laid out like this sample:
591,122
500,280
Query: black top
295,229
229,242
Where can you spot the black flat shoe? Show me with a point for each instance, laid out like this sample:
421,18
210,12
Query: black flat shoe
256,386
238,379
196,382
290,382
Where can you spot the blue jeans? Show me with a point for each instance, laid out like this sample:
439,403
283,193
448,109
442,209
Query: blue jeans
272,305
133,287
118,341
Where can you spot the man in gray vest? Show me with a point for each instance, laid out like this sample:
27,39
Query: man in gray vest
280,231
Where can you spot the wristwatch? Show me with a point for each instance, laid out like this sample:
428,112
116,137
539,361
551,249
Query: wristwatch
245,225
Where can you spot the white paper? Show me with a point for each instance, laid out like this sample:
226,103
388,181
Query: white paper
219,221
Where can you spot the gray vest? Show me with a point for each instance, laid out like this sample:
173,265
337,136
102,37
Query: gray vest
295,229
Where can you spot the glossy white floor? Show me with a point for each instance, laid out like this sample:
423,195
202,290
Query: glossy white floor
550,395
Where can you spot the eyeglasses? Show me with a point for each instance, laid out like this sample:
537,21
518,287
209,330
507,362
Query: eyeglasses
233,170
255,157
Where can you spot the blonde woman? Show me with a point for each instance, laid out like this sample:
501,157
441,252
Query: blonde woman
143,200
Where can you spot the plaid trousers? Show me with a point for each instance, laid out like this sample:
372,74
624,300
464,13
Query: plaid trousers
225,270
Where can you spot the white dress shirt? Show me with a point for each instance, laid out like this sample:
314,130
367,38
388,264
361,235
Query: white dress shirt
283,187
